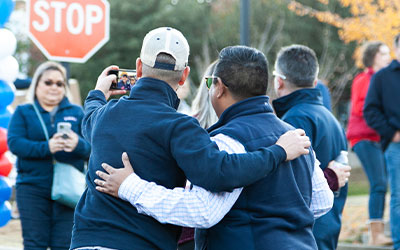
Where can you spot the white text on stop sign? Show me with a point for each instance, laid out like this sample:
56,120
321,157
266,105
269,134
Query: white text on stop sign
86,16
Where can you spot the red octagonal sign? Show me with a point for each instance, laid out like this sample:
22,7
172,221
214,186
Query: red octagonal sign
69,30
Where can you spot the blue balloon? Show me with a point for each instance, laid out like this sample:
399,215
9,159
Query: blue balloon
6,7
5,213
5,190
5,117
6,94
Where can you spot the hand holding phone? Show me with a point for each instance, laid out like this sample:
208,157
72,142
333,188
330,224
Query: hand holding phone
105,80
126,78
64,128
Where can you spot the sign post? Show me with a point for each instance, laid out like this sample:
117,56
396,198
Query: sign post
68,30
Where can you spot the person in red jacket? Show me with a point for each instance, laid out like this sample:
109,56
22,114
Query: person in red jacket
365,141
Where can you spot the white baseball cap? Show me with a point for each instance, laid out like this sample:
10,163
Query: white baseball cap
165,40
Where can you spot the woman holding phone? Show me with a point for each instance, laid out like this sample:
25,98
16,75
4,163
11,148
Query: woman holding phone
45,223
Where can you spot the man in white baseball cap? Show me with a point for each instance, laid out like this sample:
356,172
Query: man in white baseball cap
167,147
165,40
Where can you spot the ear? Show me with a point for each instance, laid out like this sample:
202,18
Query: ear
281,84
139,71
220,89
185,74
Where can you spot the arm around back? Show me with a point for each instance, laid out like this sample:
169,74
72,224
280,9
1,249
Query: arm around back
205,166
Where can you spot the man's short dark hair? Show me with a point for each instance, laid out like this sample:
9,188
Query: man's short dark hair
370,49
244,70
299,64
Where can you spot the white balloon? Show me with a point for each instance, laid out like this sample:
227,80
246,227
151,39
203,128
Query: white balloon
8,43
9,69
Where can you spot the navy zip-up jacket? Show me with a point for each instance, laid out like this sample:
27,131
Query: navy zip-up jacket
304,109
382,104
274,212
165,147
27,141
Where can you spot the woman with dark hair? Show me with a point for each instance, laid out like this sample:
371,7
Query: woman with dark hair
365,141
45,223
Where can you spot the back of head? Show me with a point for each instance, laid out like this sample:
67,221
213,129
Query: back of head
244,70
298,64
164,54
369,51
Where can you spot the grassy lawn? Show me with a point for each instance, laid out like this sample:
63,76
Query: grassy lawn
358,183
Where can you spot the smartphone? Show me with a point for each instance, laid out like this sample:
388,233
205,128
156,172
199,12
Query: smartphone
126,78
64,128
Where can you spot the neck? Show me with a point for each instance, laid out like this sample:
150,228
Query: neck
46,106
286,91
225,104
376,68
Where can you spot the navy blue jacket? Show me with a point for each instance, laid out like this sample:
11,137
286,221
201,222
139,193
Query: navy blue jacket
382,104
166,147
304,109
27,141
272,213
326,96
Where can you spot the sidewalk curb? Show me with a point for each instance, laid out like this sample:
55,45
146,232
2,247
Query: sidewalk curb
345,246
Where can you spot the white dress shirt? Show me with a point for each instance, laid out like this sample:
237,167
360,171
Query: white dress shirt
199,208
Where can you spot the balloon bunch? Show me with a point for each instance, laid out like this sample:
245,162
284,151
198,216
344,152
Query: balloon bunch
8,64
8,73
5,187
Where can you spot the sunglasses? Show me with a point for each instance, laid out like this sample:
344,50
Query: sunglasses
50,83
210,80
274,73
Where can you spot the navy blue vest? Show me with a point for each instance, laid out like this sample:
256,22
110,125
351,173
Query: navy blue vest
272,213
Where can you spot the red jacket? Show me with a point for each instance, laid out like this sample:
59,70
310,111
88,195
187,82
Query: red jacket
358,129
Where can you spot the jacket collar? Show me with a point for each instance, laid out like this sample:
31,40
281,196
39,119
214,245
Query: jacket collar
308,95
394,65
249,106
370,71
147,88
63,104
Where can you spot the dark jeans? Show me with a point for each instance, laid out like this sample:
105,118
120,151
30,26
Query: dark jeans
373,161
187,245
327,227
45,223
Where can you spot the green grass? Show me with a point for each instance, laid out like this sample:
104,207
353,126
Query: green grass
358,183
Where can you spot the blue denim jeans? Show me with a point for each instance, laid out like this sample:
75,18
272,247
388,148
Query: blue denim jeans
392,157
372,159
45,223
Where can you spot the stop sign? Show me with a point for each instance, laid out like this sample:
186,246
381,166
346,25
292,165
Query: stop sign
68,30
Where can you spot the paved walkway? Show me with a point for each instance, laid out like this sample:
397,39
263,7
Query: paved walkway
354,229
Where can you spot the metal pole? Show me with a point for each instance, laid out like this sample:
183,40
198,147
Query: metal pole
66,66
244,23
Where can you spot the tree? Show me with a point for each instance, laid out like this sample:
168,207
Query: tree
368,20
129,23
